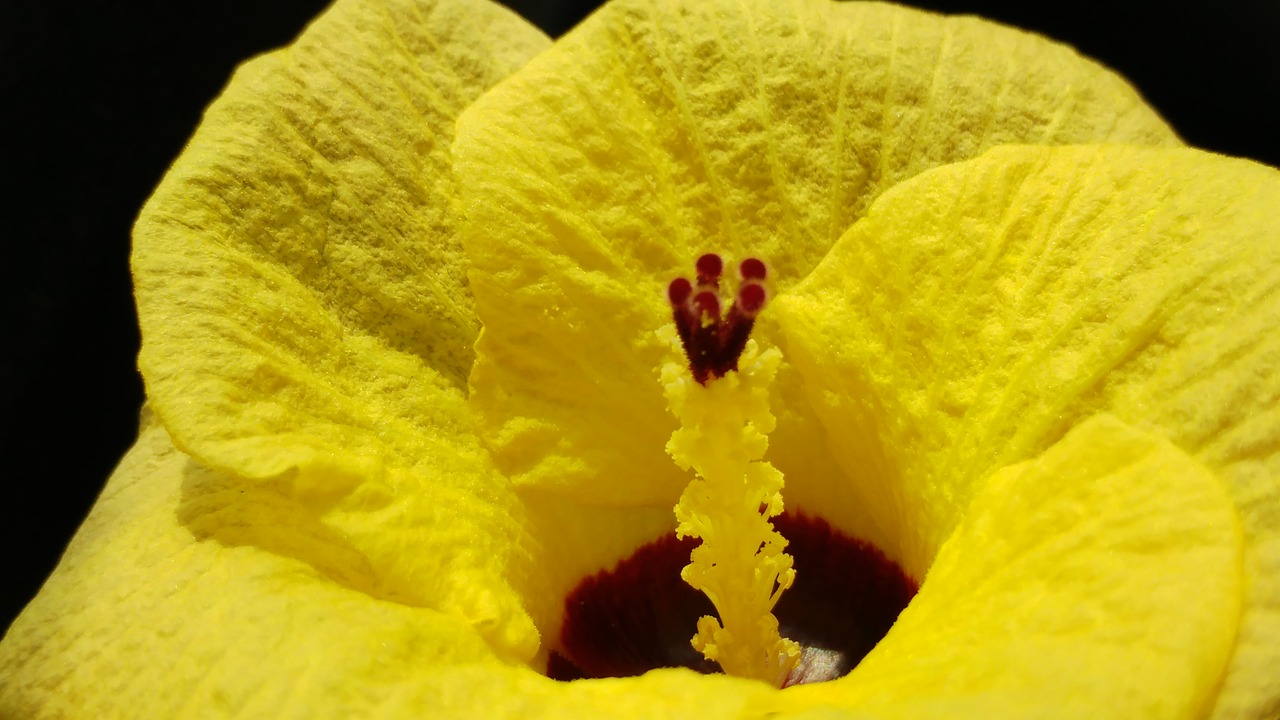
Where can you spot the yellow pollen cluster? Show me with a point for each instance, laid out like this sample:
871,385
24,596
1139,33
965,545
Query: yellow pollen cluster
740,564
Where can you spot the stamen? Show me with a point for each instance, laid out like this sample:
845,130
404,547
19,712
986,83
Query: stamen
740,564
637,616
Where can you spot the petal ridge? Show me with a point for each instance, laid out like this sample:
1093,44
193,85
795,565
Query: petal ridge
983,309
655,132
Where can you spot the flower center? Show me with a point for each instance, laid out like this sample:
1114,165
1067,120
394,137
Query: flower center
637,616
724,419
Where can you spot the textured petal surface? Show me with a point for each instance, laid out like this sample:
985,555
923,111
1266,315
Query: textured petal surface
191,593
188,593
301,292
659,130
304,306
1102,578
980,311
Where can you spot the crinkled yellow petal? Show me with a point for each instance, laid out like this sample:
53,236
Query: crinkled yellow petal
304,307
304,304
300,285
980,311
659,130
189,593
1101,579
301,290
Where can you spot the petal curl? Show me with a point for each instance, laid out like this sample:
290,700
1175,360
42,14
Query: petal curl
183,593
304,308
187,593
1102,577
659,130
981,310
300,287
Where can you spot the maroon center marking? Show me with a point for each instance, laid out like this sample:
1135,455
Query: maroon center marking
713,342
640,615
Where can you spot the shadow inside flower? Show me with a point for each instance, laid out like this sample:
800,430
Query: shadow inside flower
640,615
236,512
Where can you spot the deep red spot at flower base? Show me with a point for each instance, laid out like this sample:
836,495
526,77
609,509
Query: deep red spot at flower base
640,615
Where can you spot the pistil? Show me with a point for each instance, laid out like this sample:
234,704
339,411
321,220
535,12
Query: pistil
722,404
713,344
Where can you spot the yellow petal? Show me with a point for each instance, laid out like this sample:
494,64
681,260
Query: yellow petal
981,310
1101,579
189,593
659,130
300,287
304,307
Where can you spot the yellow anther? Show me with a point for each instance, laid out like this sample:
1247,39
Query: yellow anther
740,564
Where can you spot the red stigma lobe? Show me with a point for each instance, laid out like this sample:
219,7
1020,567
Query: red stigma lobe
679,291
682,313
709,268
713,342
751,298
752,269
707,305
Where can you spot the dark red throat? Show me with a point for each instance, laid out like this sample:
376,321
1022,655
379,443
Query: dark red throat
640,615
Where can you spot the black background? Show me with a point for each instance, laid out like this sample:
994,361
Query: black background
96,98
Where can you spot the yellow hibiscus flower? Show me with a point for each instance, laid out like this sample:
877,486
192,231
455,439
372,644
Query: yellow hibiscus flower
400,299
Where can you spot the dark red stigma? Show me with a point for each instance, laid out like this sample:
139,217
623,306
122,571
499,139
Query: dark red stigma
714,342
709,268
752,269
679,291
